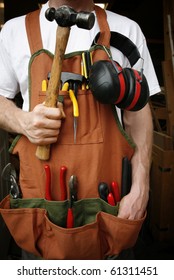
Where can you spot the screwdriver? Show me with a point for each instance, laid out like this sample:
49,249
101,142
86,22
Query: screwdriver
115,191
126,177
44,85
105,194
86,62
75,111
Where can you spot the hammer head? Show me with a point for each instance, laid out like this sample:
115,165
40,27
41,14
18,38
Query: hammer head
65,16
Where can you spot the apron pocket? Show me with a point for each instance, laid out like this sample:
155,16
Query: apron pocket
24,224
39,226
89,128
76,243
118,234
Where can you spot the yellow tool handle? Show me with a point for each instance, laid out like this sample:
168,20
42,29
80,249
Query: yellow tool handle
65,86
84,65
44,85
62,35
74,102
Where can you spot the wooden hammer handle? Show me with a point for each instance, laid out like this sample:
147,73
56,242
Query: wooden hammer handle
62,35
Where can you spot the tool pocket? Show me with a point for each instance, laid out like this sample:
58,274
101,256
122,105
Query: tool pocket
62,243
89,128
24,224
42,230
118,234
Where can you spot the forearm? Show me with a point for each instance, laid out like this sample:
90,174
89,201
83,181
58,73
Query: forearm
41,126
139,127
10,116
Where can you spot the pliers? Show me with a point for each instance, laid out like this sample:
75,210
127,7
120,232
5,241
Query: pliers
47,182
72,198
75,106
63,192
9,174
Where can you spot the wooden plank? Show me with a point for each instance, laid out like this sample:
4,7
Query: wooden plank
161,113
169,91
168,9
162,194
155,118
171,39
162,140
163,158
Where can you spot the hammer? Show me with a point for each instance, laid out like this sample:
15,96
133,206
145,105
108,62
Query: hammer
65,17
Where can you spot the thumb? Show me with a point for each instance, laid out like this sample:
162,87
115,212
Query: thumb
60,106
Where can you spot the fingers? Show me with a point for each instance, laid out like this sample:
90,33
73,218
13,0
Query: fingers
60,106
42,125
131,208
48,112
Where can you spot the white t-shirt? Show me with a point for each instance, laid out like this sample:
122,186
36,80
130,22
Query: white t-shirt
15,52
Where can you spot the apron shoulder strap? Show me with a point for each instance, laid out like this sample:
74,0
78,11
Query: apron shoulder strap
104,38
33,31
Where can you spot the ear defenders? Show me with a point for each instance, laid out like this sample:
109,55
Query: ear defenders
127,88
124,87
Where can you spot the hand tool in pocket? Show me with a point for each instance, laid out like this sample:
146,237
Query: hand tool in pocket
105,193
63,191
74,81
103,190
86,64
47,182
115,190
65,87
110,199
72,198
44,85
72,78
9,174
75,111
126,177
65,18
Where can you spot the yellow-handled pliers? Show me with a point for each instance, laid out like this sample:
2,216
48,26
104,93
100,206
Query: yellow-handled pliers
75,107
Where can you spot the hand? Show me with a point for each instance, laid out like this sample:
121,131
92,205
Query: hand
42,125
133,205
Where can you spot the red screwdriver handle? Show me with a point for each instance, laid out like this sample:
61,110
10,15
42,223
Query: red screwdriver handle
48,182
115,191
63,190
110,199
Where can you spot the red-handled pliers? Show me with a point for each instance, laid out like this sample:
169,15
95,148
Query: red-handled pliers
63,191
48,182
72,198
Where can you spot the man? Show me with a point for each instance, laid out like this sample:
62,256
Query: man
42,125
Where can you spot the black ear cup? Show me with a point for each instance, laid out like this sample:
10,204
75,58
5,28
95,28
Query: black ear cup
103,82
110,84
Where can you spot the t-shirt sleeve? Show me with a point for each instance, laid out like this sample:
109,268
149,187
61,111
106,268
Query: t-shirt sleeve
8,82
145,63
